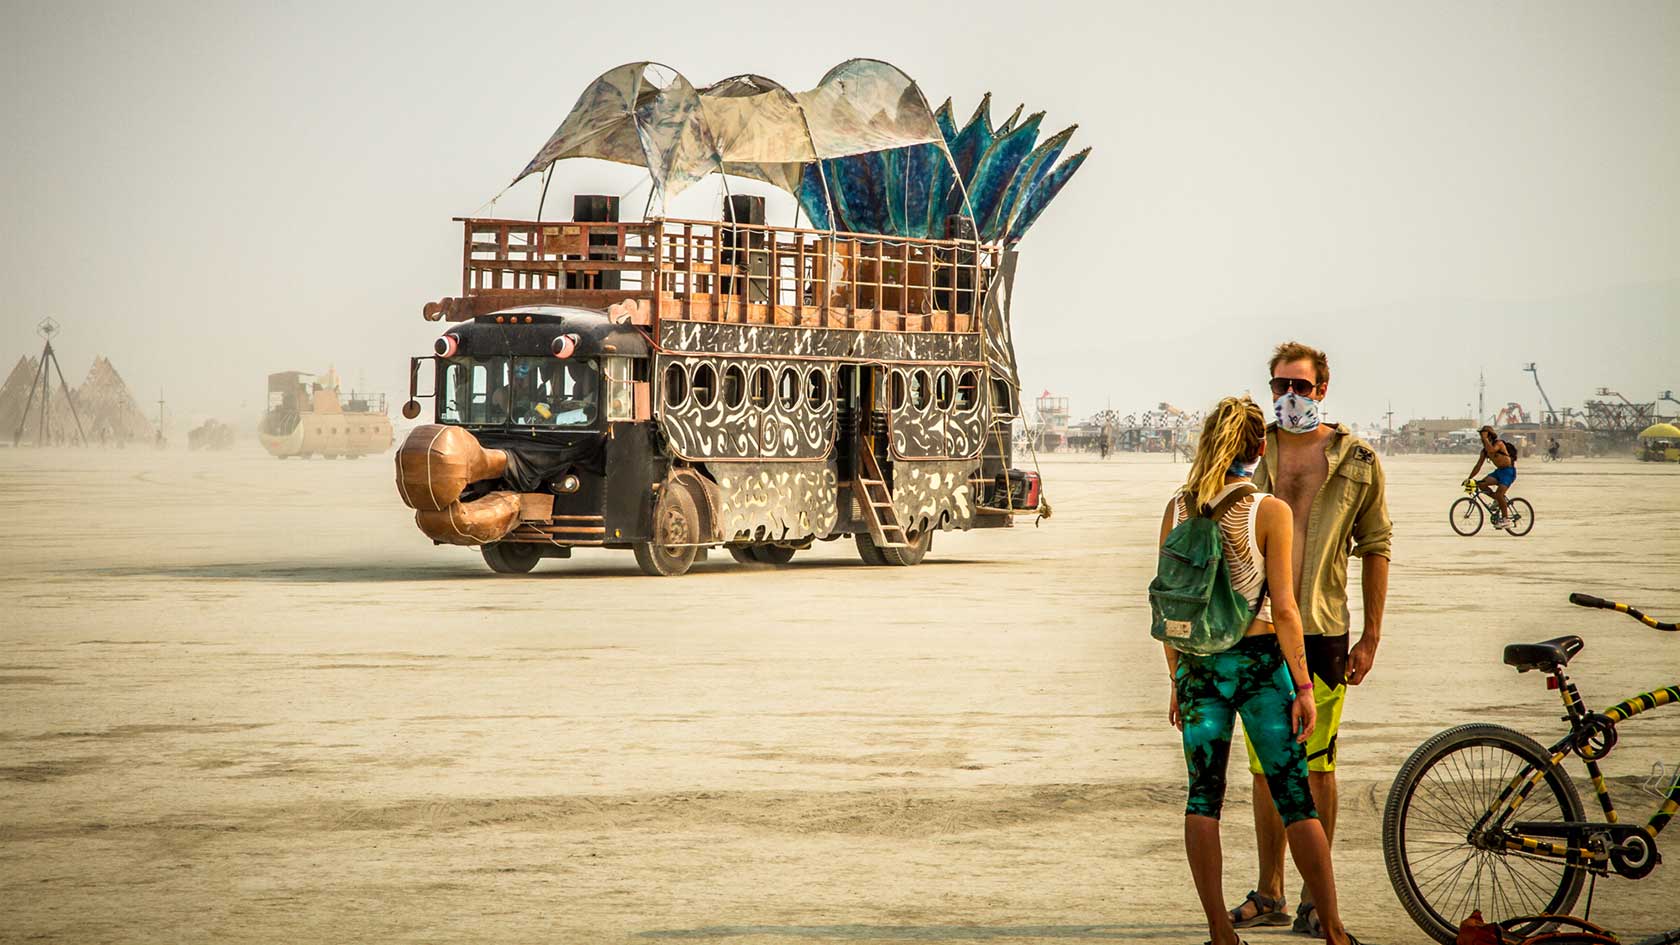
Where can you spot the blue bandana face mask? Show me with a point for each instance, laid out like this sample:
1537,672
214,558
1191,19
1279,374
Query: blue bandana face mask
1297,414
1243,470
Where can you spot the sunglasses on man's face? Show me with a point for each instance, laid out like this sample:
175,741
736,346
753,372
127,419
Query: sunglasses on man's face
1282,385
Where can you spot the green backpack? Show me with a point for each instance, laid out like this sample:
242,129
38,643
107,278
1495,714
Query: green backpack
1193,608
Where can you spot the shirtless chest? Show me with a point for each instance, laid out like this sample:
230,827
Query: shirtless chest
1300,474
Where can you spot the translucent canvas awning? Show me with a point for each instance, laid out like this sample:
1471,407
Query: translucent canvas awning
861,151
649,115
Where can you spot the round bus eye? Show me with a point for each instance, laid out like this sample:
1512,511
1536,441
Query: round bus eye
563,345
446,346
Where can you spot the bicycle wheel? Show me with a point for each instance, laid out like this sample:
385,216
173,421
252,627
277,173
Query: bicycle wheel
1522,516
1439,794
1466,516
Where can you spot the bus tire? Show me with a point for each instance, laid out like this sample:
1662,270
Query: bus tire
772,554
913,553
873,554
505,557
868,550
676,530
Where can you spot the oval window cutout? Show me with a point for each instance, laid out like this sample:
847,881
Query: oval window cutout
968,390
816,388
787,388
898,388
919,393
676,385
759,393
944,390
704,385
734,386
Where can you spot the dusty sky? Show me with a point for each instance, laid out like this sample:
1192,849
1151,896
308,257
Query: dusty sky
209,192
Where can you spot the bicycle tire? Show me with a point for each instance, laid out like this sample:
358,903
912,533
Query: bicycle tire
1522,516
1461,520
1409,819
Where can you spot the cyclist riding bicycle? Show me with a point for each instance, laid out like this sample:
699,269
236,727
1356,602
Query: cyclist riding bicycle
1503,456
1553,449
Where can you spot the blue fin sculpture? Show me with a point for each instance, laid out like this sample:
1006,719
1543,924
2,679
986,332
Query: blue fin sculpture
921,165
812,198
1040,195
1032,171
1009,123
997,170
972,141
859,185
1008,176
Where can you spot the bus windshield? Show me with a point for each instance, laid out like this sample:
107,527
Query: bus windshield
526,392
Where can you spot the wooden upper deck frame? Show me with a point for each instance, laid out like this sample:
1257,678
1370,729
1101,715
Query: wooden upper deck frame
710,271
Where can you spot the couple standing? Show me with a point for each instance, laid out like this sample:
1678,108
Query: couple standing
1286,554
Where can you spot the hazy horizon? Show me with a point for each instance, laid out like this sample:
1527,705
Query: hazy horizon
208,195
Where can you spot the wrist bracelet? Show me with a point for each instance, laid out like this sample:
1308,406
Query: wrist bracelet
1305,687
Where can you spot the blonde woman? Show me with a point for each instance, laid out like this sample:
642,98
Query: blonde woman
1263,677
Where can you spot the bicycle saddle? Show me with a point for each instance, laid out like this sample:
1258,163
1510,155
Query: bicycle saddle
1543,656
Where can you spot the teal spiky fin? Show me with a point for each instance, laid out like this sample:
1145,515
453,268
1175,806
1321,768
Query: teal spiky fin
1042,193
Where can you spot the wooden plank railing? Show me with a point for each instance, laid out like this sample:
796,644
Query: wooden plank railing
723,272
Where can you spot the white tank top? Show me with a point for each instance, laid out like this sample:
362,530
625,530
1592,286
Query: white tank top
1242,553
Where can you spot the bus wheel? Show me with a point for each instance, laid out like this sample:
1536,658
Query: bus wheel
773,554
675,531
874,554
743,554
913,554
510,557
868,551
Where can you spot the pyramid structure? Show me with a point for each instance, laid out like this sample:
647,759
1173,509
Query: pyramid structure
108,411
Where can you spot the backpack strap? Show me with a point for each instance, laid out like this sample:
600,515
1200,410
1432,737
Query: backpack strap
1217,511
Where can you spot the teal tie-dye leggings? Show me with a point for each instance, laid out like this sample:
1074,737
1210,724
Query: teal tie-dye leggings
1250,679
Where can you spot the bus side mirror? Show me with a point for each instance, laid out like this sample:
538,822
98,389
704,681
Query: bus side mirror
411,409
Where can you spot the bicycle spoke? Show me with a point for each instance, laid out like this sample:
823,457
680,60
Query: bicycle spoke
1537,890
1450,872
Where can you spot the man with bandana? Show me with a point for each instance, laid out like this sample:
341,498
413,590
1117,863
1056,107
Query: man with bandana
1335,486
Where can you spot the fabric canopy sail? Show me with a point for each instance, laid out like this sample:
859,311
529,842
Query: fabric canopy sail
861,152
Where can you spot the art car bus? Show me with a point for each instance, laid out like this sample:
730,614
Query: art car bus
670,385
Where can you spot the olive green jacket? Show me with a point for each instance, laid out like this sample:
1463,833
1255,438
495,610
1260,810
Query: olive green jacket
1349,517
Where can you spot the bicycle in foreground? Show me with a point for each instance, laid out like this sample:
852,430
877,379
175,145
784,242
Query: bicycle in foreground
1481,817
1467,514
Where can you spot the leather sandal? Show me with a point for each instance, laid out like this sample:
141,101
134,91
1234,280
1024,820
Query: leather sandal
1267,911
1306,921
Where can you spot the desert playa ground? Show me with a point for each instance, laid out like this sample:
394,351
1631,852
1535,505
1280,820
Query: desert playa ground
244,700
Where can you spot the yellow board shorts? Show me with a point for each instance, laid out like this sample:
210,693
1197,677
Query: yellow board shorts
1327,667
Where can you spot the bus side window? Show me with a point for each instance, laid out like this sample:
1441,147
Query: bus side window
621,389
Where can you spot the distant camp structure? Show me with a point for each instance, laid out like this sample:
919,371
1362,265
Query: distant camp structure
100,412
309,416
212,434
1660,443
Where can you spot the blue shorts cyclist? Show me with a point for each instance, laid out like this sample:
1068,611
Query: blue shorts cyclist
1503,456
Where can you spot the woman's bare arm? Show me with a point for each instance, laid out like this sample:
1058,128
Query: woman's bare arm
1275,527
1166,529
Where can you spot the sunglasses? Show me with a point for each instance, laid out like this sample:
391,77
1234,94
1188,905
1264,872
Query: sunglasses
1282,385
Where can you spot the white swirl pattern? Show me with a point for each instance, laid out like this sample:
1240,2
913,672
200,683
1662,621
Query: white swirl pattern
776,501
745,431
930,432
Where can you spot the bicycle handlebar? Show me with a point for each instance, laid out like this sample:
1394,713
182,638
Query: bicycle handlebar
1587,600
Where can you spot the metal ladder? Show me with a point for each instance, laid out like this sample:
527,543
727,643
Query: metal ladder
875,502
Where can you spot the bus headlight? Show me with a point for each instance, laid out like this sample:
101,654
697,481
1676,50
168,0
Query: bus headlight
446,346
570,483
